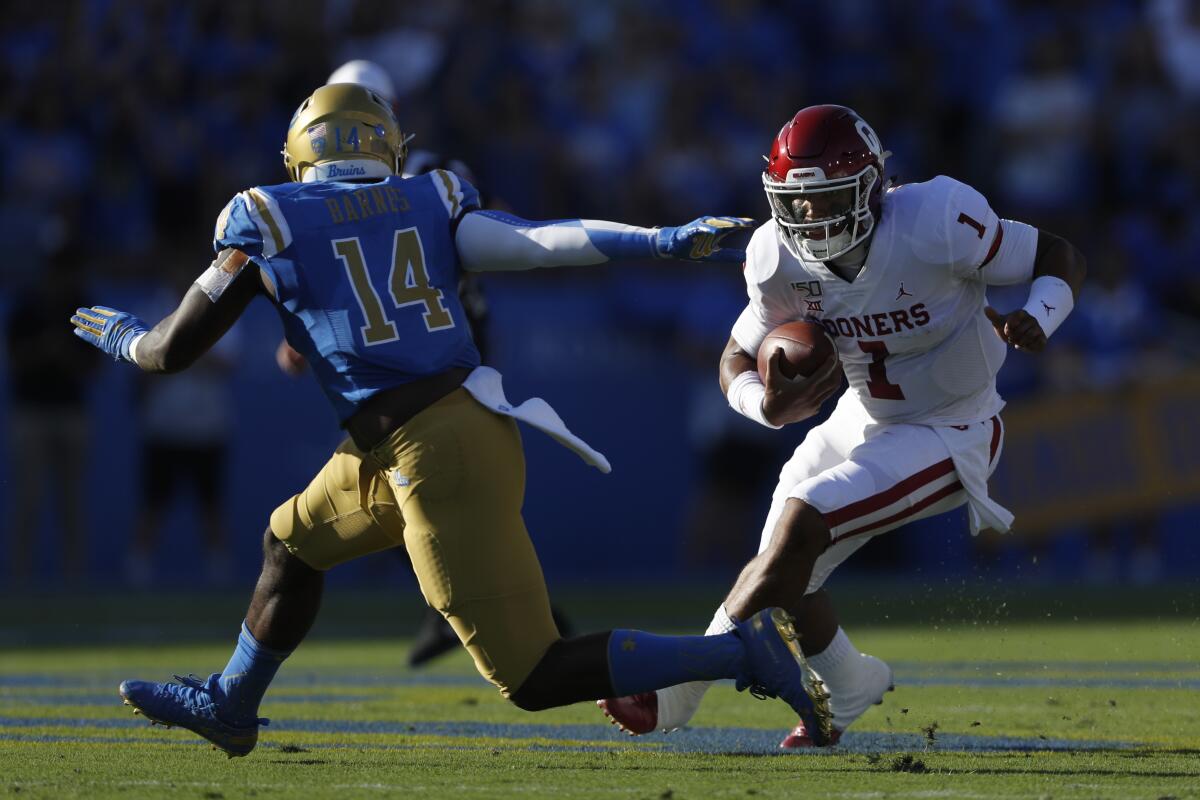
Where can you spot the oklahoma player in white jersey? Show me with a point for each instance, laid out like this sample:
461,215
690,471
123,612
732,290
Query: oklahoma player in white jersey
897,277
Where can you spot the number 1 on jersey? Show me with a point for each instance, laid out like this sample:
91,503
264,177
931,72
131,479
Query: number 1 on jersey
877,382
379,329
408,281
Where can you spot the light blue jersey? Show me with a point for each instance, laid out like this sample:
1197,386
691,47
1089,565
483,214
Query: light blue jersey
365,276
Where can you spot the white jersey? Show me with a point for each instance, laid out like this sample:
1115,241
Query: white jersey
910,328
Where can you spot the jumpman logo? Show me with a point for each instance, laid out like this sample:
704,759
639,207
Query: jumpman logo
903,292
1048,308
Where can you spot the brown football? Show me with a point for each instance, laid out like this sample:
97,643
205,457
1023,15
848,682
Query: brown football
805,347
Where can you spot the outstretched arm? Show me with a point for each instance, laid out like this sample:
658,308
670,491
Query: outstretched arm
207,311
490,241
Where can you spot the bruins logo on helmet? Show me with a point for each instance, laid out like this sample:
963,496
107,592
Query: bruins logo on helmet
343,131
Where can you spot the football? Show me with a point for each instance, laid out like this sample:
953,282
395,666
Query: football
805,347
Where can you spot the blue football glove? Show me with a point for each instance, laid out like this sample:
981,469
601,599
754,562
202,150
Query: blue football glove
110,330
700,239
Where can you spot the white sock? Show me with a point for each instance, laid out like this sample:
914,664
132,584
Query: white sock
829,663
855,680
678,704
721,623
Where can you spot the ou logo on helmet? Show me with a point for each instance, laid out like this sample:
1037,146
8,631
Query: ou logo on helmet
869,137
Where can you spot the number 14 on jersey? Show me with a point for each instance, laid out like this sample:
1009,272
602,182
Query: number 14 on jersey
408,284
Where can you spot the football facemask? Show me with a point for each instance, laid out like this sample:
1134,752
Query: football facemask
821,218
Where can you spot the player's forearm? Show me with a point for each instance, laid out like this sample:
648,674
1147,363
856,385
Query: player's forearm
742,385
491,241
163,350
1058,272
1057,276
734,362
170,346
1058,258
191,330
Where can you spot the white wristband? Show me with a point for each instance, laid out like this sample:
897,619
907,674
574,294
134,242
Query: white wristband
133,348
1050,301
746,393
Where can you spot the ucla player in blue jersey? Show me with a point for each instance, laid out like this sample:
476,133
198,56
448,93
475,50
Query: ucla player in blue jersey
434,636
362,266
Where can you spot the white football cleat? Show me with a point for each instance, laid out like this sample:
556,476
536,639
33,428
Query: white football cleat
870,685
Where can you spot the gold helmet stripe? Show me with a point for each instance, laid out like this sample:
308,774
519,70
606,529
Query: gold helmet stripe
270,221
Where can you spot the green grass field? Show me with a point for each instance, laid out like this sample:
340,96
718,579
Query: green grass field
986,706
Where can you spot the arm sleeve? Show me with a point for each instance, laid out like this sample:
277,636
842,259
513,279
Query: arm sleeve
1014,257
979,245
964,231
764,313
750,329
492,241
957,229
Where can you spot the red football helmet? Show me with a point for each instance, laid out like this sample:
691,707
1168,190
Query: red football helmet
824,181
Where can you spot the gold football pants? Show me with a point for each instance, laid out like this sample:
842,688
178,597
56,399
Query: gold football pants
449,486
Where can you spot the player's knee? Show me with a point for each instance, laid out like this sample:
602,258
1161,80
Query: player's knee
273,550
276,556
542,688
800,535
530,697
534,693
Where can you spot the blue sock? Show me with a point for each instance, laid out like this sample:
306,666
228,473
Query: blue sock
246,677
641,662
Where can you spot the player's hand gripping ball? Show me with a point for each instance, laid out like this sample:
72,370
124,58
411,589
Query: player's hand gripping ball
800,369
805,347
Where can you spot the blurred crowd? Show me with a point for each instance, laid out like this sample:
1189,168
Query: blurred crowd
127,125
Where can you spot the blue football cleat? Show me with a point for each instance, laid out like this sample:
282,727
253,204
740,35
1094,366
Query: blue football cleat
191,704
778,669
